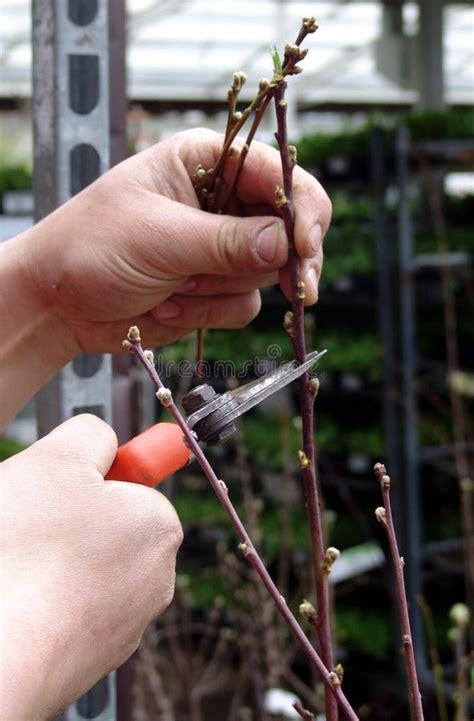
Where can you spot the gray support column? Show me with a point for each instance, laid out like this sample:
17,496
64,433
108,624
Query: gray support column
429,55
72,148
412,511
392,16
71,128
393,49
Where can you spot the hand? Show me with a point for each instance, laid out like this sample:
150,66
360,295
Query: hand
86,565
134,247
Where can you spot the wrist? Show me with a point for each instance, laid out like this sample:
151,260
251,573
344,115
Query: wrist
35,342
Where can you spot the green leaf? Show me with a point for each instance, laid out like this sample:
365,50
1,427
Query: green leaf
275,58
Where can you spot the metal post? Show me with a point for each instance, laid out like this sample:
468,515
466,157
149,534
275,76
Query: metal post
72,148
385,310
392,48
412,537
429,60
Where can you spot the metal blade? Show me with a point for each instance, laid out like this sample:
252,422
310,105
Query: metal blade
213,421
253,393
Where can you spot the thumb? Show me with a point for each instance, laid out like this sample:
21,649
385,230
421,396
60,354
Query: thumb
223,244
84,439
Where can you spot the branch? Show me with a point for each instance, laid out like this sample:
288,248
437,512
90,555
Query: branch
384,517
331,679
294,325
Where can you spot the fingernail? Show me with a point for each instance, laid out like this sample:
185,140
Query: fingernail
311,281
267,243
315,237
168,309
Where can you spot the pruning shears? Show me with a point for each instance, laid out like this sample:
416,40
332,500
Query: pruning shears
161,450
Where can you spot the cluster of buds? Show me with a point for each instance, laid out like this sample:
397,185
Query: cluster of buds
293,55
382,475
310,24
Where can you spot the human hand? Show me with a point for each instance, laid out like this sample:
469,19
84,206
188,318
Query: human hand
86,565
134,247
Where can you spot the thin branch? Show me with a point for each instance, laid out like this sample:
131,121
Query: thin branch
294,324
303,712
384,517
331,680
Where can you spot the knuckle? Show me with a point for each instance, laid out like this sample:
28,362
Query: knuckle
227,243
326,207
165,520
175,534
166,596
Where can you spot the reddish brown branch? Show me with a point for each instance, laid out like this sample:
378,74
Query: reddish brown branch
296,331
246,547
384,517
303,712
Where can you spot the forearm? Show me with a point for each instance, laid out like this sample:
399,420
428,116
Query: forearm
34,344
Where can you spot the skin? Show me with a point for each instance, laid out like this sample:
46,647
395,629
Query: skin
87,563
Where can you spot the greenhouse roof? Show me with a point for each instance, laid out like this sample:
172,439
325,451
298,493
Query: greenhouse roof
186,50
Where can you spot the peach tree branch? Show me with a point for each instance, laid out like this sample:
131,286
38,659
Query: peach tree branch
385,518
294,326
331,679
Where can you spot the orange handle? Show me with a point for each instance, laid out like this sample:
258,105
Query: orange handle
150,457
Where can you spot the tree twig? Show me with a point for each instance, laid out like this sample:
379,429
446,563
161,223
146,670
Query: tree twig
294,325
331,679
384,517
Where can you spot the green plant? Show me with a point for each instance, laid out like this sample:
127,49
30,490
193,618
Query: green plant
8,447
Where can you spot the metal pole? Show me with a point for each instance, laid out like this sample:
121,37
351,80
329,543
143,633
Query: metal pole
72,148
412,537
430,55
385,310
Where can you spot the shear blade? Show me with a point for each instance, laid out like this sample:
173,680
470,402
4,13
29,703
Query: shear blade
253,393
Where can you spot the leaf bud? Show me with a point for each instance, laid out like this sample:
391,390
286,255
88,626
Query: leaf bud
300,290
308,611
303,460
380,515
238,81
280,197
310,24
460,615
164,396
133,334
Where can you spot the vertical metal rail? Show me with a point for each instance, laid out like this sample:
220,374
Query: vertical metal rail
72,148
412,512
385,310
